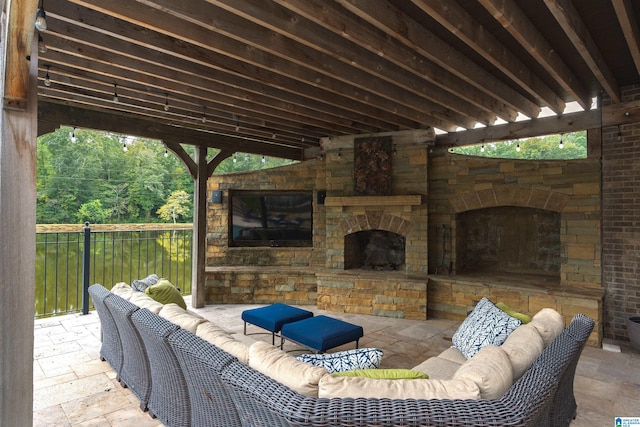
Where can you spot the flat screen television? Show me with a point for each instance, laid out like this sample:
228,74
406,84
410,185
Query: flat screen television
270,218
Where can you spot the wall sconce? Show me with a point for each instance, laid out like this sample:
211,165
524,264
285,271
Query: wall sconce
216,197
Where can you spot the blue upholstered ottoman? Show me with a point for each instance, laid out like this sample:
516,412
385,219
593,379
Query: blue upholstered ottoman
273,317
320,333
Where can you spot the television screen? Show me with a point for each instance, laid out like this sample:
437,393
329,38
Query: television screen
270,218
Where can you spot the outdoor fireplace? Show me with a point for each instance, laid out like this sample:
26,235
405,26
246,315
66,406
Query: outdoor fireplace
508,239
377,250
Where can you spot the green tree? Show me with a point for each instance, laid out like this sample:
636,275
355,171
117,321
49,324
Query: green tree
92,212
178,206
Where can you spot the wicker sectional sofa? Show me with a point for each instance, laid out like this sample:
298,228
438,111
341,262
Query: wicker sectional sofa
188,372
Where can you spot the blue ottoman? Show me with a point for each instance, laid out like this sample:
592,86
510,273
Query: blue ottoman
321,333
273,317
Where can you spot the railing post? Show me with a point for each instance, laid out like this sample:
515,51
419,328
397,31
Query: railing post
86,257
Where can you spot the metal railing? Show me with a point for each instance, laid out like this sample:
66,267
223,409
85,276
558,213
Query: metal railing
116,255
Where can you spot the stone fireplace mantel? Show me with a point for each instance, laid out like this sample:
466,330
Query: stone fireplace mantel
406,200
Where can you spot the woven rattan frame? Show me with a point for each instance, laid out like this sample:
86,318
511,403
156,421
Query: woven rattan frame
111,348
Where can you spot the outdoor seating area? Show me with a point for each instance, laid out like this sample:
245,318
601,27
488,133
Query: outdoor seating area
235,381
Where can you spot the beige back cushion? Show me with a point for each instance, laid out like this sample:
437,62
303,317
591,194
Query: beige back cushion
523,346
355,387
185,319
221,339
286,369
454,355
490,369
123,290
438,368
143,300
549,324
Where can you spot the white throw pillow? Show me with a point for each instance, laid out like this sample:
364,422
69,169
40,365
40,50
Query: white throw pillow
348,360
549,324
286,369
123,290
490,369
354,387
523,346
485,325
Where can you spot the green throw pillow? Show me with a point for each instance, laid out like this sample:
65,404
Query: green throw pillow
511,312
384,374
164,292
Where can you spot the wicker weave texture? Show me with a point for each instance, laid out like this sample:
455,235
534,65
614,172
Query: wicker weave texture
202,364
111,348
538,398
169,398
135,373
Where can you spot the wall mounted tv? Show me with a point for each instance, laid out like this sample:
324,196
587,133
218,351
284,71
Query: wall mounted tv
270,218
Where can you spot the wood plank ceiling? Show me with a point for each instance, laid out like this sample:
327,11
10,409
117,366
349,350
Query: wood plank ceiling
273,77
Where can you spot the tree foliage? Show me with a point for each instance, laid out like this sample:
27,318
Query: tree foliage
79,170
177,206
574,146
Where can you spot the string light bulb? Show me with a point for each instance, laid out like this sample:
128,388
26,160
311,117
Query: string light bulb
47,78
518,148
166,152
41,18
235,158
561,145
264,160
115,93
482,148
166,102
73,136
42,47
204,114
124,146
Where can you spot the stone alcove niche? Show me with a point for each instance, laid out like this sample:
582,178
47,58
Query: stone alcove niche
508,239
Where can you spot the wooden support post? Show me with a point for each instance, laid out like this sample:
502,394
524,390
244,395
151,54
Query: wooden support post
18,124
199,229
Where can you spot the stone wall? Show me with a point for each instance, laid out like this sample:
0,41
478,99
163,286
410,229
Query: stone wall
621,222
571,187
263,274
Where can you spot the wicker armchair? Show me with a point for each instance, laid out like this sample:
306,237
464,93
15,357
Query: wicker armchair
135,372
538,398
169,398
202,364
111,348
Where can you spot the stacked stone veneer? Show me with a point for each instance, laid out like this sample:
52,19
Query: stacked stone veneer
263,274
621,221
398,294
572,188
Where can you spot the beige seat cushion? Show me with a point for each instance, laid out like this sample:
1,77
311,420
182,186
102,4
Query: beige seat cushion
454,355
523,346
354,387
438,368
123,290
549,324
223,340
143,300
490,369
185,319
286,369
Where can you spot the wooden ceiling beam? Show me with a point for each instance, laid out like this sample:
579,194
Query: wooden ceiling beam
565,13
461,24
344,24
222,77
272,70
127,71
514,20
624,11
404,28
307,32
52,115
306,65
610,115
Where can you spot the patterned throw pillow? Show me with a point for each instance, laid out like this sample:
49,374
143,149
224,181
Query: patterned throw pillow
348,360
141,285
485,325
